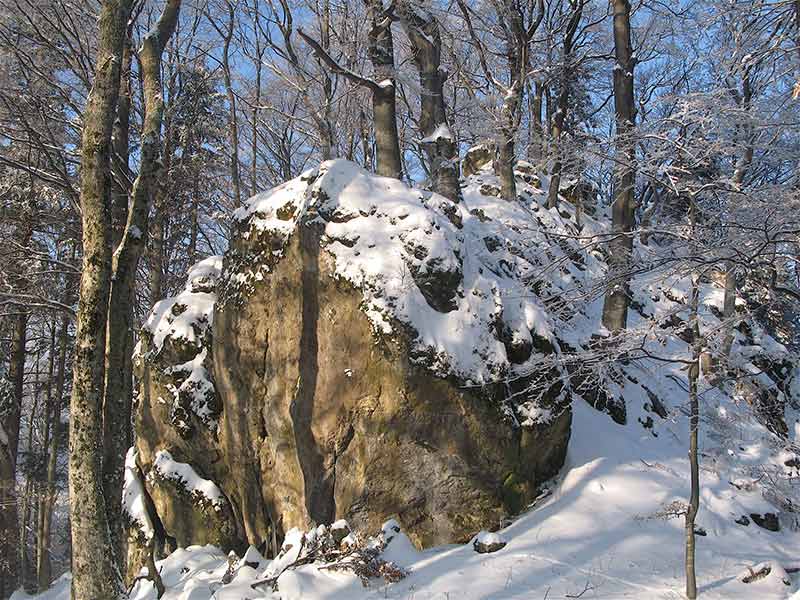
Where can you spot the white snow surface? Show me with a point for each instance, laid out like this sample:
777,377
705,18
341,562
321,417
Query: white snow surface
133,503
183,474
189,314
379,230
595,529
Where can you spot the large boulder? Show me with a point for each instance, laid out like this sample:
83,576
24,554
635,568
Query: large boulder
364,355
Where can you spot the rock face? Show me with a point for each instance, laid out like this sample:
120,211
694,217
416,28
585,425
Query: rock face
363,356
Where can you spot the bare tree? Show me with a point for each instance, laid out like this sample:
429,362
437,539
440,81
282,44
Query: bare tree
516,37
437,141
615,306
562,103
95,574
381,86
118,391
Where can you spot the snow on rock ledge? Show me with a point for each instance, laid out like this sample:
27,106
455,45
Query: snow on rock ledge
370,351
176,339
183,475
449,272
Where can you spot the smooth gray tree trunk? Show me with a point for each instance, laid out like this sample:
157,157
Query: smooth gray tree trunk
615,305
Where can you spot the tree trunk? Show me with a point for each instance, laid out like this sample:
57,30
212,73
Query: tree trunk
232,115
535,147
504,165
27,501
437,141
119,340
121,146
258,66
44,566
615,306
9,444
384,108
562,104
94,569
743,164
327,142
558,128
694,465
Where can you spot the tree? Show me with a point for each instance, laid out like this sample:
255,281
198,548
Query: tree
95,574
562,103
515,36
615,306
118,390
381,86
437,139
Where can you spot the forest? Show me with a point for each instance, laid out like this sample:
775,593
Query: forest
353,299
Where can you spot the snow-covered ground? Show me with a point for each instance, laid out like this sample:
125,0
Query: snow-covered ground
603,530
595,534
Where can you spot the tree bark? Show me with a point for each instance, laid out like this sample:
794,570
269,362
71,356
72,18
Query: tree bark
95,571
615,305
694,465
44,564
119,340
742,165
437,139
382,86
233,121
384,108
536,144
562,104
27,502
9,445
121,146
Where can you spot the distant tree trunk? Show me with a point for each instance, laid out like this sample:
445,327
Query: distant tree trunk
51,409
227,38
326,129
615,306
9,443
742,165
694,465
119,341
517,39
258,66
44,563
29,493
438,142
562,104
537,135
95,572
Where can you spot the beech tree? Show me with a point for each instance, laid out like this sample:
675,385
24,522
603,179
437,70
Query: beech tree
95,575
437,139
615,307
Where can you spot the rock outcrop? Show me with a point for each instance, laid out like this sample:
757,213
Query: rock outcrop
364,351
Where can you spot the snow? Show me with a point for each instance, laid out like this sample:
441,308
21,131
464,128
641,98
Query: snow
185,320
133,499
183,474
186,316
441,132
596,528
602,528
381,232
